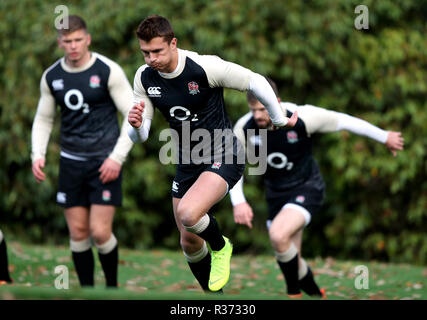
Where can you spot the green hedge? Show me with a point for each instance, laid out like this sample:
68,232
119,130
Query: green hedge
376,204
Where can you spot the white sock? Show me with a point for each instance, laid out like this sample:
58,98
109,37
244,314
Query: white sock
80,246
302,270
198,255
108,246
288,255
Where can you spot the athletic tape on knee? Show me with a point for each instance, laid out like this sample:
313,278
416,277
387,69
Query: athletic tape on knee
200,226
108,246
288,255
302,269
80,246
1,236
198,255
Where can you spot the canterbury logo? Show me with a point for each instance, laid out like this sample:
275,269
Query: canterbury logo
154,91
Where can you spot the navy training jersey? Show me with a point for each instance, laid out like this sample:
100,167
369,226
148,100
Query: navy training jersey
192,99
89,125
289,154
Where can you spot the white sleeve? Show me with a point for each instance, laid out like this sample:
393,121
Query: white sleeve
262,90
121,93
238,128
236,194
139,94
43,121
361,127
140,134
221,73
318,119
225,74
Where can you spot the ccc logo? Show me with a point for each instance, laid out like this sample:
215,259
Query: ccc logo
155,91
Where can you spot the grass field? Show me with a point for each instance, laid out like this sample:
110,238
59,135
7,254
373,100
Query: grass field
164,275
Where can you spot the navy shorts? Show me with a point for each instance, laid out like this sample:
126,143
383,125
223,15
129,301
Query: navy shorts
186,175
79,185
309,195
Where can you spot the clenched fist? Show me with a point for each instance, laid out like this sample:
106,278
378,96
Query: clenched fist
135,115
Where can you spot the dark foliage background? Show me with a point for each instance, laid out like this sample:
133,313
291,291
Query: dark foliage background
376,204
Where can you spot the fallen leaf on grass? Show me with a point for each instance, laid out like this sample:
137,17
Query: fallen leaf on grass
63,259
173,287
233,291
253,276
417,286
166,263
157,253
195,288
136,288
380,282
42,270
329,272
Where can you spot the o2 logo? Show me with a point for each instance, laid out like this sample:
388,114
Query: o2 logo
182,114
78,101
279,161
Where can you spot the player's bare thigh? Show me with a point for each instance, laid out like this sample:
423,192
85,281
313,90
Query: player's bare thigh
284,227
101,222
78,222
208,189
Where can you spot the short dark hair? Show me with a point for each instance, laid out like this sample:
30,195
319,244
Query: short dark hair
155,26
252,99
74,23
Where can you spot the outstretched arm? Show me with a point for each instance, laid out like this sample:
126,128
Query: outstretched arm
393,140
318,119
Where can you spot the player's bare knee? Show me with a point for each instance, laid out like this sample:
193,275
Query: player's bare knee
279,238
100,235
187,215
189,244
78,232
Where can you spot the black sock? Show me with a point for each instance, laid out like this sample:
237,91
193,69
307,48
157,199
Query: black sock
308,285
213,235
290,271
84,264
201,270
109,263
4,271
